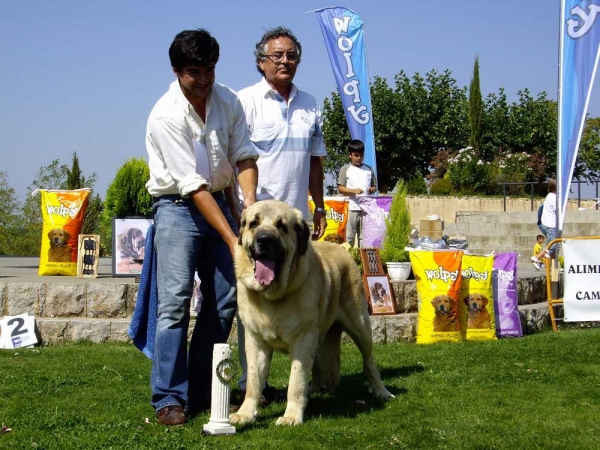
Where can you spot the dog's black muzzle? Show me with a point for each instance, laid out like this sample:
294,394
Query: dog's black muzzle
266,245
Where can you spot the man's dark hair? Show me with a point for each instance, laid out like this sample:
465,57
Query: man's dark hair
274,33
356,146
193,48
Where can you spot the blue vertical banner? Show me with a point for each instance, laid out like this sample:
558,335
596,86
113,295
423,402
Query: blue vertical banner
579,53
345,41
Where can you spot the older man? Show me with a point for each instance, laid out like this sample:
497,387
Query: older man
285,126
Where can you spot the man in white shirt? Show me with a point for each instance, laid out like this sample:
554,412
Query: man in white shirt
355,179
196,135
285,126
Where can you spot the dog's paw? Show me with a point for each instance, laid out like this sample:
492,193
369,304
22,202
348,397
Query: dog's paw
289,421
241,419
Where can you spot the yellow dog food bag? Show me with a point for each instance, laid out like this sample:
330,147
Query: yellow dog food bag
438,283
336,213
62,214
476,305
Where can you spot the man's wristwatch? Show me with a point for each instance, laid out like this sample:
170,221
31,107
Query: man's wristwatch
320,210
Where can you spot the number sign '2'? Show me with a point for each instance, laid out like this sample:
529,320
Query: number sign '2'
17,331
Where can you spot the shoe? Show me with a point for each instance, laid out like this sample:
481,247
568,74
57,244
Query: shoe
271,394
171,415
535,262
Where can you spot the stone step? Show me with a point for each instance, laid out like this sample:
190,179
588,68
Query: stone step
386,329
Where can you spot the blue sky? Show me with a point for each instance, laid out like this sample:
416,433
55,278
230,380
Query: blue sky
82,76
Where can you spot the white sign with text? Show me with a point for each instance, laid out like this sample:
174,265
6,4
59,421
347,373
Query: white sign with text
581,297
17,331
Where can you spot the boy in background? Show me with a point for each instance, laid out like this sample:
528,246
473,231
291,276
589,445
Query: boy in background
355,179
537,248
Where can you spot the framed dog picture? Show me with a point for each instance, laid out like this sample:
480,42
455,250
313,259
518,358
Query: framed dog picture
129,240
379,294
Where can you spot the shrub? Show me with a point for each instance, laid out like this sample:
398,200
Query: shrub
416,185
398,227
467,172
441,186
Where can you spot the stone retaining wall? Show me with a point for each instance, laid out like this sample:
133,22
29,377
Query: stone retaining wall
101,312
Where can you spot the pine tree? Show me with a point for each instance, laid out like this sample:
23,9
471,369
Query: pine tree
475,110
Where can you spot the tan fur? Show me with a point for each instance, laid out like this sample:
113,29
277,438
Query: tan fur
445,313
479,317
317,292
59,250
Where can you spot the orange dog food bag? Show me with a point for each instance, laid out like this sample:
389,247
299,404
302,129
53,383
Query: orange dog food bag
62,214
476,301
336,213
438,283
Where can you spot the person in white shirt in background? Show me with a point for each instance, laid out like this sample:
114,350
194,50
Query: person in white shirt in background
196,138
355,179
547,225
285,127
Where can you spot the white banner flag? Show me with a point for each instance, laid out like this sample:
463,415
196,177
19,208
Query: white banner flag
582,280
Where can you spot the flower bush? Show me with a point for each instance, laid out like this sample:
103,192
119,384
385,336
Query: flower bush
513,168
467,172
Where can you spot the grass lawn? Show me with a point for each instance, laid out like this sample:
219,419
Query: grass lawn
539,391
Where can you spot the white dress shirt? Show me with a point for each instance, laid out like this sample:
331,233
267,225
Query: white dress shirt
185,153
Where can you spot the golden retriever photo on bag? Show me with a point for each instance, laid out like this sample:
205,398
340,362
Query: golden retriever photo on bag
479,317
59,250
445,313
297,296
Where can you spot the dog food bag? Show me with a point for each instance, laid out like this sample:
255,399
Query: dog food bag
336,213
476,303
438,283
375,210
504,286
62,214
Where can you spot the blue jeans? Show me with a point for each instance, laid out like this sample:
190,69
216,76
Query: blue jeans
185,242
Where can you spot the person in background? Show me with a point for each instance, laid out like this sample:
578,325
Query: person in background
537,248
547,226
196,135
355,179
285,127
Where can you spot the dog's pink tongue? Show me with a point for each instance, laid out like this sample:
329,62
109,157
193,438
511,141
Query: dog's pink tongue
265,271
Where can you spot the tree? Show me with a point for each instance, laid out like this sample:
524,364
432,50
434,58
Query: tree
74,177
9,218
93,213
52,176
411,122
475,110
126,196
589,150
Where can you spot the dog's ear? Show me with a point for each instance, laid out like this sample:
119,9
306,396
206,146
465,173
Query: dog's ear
67,235
466,300
484,300
50,234
302,236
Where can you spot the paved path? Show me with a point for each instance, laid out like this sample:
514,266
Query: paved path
25,269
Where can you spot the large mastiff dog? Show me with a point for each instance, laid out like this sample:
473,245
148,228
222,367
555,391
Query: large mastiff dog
297,296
